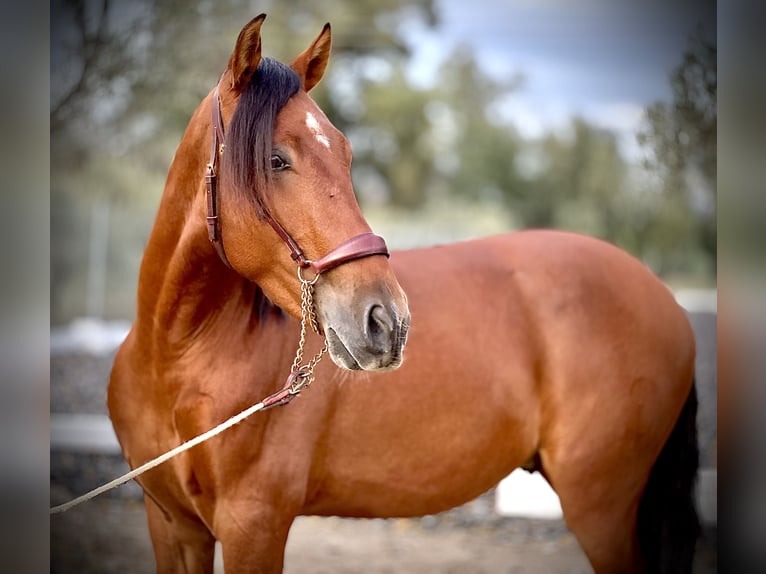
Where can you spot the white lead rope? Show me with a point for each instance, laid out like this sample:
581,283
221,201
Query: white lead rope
159,460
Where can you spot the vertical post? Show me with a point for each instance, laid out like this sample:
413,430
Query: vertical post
95,292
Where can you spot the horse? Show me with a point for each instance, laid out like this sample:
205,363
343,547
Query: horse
540,349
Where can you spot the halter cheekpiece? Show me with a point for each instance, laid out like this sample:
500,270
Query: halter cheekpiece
362,245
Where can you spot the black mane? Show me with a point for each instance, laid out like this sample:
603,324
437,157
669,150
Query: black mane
246,163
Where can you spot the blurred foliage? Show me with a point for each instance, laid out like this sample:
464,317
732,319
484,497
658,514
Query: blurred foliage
682,139
126,77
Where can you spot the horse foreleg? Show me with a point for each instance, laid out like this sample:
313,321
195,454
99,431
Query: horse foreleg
181,544
253,538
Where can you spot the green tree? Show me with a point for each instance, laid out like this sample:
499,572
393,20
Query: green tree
94,55
575,180
680,139
393,138
484,146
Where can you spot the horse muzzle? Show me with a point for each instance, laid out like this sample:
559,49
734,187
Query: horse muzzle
371,339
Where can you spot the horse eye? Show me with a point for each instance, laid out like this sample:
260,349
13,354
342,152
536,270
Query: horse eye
278,163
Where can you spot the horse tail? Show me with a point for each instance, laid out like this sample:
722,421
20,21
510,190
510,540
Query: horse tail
668,526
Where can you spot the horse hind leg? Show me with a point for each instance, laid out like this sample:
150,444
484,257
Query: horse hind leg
606,531
181,544
630,511
636,513
599,497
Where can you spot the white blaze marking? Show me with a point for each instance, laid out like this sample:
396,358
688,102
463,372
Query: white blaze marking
316,129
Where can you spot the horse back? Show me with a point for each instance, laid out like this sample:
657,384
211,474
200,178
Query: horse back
564,281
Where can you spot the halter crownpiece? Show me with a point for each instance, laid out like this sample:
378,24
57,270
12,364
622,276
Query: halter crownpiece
362,245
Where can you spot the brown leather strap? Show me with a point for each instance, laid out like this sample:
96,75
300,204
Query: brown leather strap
211,180
213,224
357,247
282,396
295,251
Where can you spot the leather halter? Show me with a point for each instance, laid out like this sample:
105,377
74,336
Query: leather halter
359,246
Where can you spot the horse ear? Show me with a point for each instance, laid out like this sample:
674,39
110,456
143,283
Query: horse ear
247,54
311,64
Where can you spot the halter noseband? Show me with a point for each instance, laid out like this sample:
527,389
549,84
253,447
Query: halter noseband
359,246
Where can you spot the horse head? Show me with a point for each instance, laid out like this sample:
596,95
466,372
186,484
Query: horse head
285,186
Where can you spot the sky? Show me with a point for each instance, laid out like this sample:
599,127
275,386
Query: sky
605,60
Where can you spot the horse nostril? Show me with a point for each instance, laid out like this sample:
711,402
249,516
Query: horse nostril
378,326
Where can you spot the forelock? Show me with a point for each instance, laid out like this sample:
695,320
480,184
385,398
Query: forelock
246,162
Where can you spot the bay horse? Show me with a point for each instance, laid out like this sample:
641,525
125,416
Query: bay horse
538,349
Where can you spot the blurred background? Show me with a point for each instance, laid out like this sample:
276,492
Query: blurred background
465,119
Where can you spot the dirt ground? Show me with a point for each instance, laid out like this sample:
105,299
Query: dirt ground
350,546
110,536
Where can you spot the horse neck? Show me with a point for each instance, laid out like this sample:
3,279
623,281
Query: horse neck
183,284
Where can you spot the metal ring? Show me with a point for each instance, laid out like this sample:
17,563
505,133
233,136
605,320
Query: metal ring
306,281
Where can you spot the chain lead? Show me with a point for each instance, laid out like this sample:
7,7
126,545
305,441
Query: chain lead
305,373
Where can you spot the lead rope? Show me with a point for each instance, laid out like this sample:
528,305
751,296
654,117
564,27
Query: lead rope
301,376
